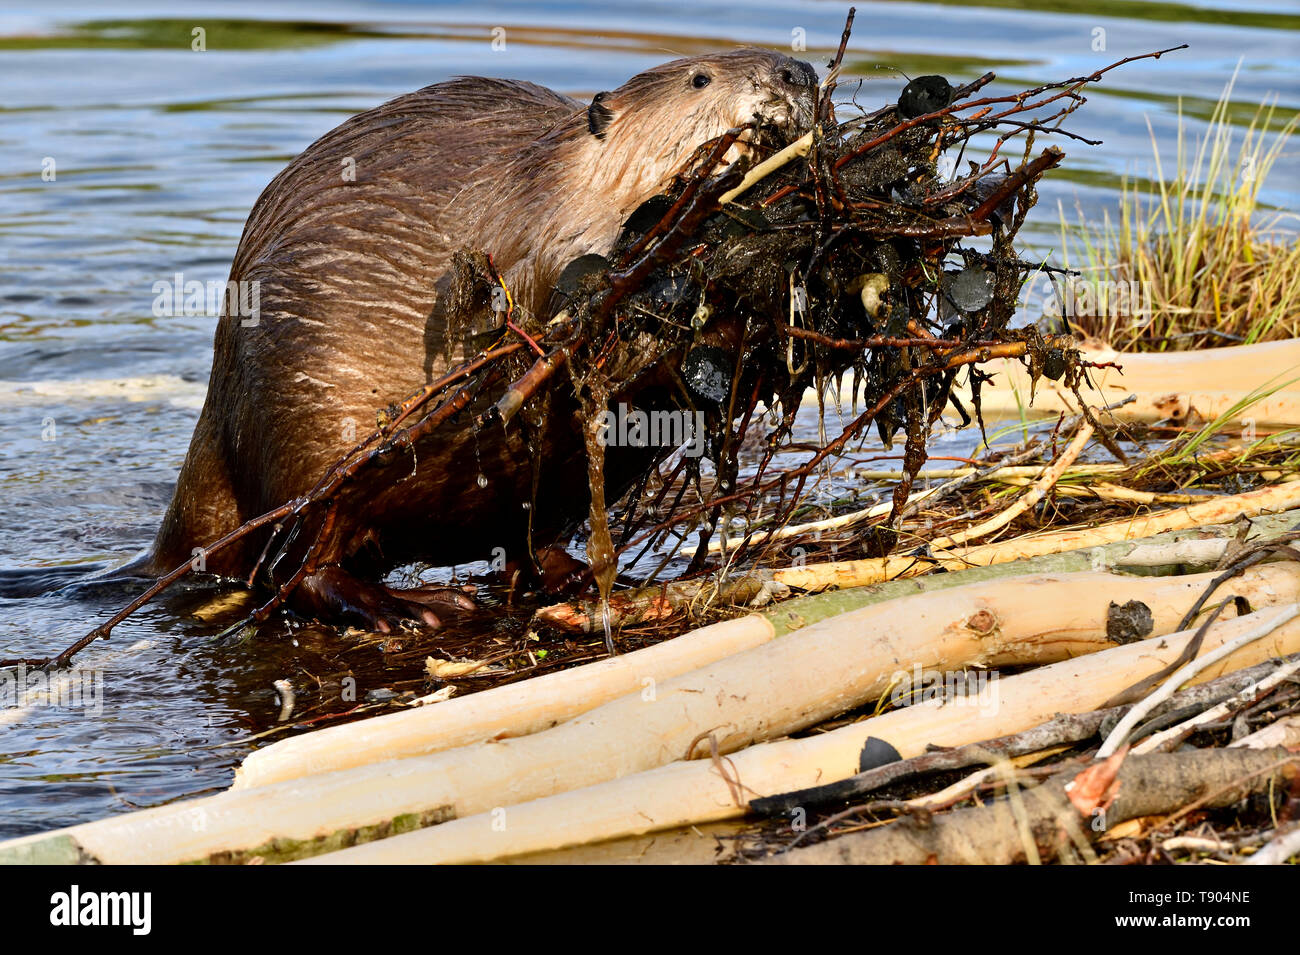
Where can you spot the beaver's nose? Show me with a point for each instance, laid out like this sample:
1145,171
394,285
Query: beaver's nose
797,74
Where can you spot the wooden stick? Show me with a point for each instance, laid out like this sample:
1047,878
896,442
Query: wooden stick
1051,156
1203,553
1116,492
796,150
1283,732
1012,472
1285,846
669,598
1046,823
1165,739
1213,511
1025,501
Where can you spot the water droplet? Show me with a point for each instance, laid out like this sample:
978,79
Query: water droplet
482,480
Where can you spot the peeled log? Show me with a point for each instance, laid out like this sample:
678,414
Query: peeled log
1187,387
517,709
634,604
1215,510
694,792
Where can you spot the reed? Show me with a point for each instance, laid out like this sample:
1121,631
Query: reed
1213,264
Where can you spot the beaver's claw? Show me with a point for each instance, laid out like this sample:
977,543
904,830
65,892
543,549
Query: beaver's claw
331,594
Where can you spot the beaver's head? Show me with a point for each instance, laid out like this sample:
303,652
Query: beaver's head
654,122
569,192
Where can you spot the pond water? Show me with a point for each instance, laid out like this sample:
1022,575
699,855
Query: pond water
158,152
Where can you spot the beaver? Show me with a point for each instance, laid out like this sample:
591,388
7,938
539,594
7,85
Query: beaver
350,247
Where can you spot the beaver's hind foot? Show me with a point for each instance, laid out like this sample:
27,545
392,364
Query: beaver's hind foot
332,594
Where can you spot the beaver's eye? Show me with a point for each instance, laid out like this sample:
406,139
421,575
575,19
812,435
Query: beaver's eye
700,80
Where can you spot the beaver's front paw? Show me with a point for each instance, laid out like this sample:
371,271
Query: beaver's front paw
333,595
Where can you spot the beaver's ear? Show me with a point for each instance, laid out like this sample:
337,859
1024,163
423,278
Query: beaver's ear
599,116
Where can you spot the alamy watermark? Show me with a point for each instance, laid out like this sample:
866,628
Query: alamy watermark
75,689
1076,297
975,688
133,910
633,428
180,297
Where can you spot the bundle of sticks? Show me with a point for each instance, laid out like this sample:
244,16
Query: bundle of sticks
846,251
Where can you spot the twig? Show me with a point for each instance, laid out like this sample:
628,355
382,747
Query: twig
1282,848
1166,740
1120,733
1026,500
796,150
